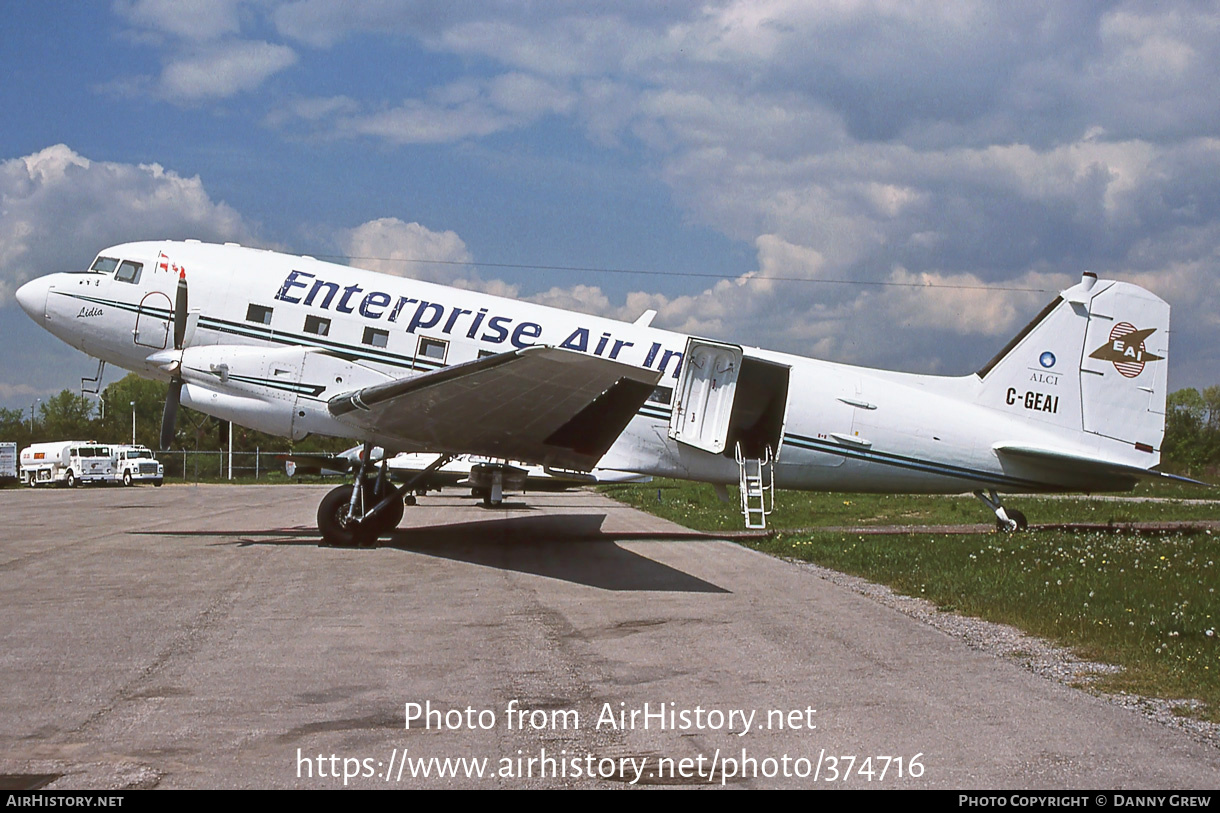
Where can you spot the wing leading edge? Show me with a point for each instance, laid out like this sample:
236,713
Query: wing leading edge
539,404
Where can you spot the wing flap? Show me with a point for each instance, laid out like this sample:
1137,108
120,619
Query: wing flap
539,404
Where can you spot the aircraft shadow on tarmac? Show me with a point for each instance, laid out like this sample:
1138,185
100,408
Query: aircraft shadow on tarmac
569,547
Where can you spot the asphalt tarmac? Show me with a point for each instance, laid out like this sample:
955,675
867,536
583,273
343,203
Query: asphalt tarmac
198,637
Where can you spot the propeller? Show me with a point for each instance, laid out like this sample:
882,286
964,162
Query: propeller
169,417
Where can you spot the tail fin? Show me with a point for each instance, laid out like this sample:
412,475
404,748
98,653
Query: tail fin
1092,361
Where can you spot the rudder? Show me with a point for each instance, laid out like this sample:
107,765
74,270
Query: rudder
1124,371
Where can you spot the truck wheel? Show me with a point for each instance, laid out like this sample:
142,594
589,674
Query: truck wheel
70,480
127,478
157,483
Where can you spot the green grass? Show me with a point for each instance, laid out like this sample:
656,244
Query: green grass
696,506
1145,602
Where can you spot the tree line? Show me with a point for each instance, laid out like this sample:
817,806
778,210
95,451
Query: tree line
1192,431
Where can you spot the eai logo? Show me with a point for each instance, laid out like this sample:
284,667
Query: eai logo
1126,349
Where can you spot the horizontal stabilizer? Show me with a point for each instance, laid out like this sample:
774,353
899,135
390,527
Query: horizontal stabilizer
1072,465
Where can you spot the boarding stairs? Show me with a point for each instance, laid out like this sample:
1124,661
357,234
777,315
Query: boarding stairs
756,483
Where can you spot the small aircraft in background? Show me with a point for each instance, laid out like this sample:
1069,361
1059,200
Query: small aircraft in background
486,477
291,345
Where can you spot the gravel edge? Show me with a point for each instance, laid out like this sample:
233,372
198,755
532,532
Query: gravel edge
1035,654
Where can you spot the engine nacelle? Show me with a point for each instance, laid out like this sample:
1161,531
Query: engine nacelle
272,417
282,391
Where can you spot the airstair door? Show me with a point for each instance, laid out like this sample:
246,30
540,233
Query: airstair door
706,388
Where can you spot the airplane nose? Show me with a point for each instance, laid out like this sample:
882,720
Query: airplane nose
32,297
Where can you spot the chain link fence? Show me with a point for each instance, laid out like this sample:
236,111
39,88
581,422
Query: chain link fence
212,466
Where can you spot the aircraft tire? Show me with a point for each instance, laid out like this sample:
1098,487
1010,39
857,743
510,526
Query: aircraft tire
1017,517
336,531
388,520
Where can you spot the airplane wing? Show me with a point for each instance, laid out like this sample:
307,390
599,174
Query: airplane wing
540,404
1121,475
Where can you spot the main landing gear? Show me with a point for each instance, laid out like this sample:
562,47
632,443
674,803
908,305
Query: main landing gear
1007,520
354,516
490,480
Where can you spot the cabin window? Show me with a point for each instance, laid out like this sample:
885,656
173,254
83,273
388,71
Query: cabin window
317,325
129,272
104,265
375,337
259,314
432,348
662,395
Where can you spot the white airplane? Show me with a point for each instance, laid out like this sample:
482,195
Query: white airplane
291,346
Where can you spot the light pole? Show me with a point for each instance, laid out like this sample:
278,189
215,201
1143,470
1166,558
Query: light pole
36,400
133,423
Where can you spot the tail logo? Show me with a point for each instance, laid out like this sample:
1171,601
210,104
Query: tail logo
1126,349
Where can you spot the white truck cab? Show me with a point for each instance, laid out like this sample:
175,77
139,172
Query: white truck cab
136,464
66,462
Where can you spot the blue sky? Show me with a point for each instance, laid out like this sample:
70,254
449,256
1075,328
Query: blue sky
954,152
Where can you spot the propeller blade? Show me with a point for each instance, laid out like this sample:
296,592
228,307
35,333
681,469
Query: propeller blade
180,312
170,417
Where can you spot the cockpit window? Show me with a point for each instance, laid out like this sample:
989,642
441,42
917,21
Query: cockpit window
129,271
104,265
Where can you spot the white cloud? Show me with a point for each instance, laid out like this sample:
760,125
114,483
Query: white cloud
392,246
12,393
186,19
201,45
529,96
223,70
452,112
60,209
415,122
322,23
